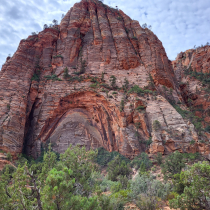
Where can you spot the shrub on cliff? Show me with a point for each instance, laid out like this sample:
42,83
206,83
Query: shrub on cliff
113,81
66,73
125,85
207,129
156,125
55,22
35,77
136,89
53,77
45,26
122,104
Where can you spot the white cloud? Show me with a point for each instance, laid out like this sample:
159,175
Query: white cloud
178,24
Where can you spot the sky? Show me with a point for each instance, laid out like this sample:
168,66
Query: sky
180,25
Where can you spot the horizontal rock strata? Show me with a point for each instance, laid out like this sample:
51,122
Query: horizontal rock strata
60,88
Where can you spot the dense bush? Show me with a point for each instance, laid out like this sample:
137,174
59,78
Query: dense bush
146,191
116,168
196,188
72,181
173,164
159,158
104,157
50,184
141,161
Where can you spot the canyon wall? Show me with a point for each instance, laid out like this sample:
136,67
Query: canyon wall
59,87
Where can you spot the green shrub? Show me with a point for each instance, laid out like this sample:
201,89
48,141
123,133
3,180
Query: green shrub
141,159
145,202
149,141
76,78
148,91
58,56
94,85
94,79
104,157
144,184
66,73
125,85
123,181
105,85
135,38
117,167
8,169
159,158
107,184
9,156
119,18
140,108
82,68
192,142
156,125
191,156
136,89
122,104
173,164
113,81
172,195
53,77
121,194
196,192
207,129
35,77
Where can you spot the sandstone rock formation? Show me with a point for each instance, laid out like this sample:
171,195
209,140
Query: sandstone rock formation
56,88
192,69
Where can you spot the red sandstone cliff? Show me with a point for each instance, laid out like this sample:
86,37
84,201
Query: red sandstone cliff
42,99
192,69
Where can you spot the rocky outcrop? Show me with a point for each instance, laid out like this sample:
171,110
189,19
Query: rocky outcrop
192,69
60,87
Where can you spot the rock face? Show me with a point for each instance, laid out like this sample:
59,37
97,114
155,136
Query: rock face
192,69
56,88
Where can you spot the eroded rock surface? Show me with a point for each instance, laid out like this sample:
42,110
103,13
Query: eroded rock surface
192,69
56,88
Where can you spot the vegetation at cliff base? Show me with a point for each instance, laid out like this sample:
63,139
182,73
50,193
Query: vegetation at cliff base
102,180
